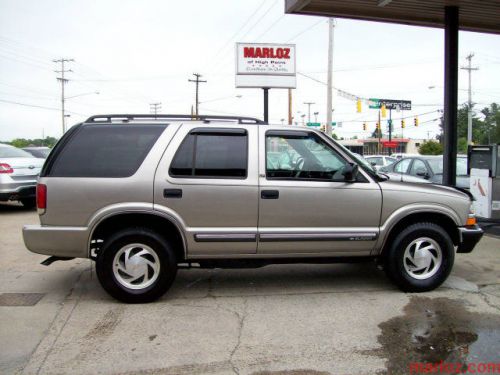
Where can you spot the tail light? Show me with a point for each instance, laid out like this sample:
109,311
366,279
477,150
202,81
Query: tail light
41,198
6,168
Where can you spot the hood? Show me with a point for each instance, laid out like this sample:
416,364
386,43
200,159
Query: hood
417,187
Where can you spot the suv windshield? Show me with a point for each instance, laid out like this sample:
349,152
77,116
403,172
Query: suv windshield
12,152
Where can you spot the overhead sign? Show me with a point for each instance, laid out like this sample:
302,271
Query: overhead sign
376,103
265,65
313,124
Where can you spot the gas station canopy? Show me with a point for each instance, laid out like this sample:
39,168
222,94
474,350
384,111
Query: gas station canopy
474,15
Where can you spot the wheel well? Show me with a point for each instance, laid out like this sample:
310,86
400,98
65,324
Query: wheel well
442,220
159,224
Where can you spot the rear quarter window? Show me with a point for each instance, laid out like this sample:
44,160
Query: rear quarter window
105,151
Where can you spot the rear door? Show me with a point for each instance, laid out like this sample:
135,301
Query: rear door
305,206
207,180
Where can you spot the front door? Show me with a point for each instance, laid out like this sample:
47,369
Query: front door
305,205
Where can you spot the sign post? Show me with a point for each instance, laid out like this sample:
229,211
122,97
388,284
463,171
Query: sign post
266,66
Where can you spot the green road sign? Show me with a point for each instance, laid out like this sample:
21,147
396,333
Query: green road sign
374,103
314,124
334,123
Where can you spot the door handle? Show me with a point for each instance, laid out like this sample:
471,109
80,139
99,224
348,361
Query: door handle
172,193
269,194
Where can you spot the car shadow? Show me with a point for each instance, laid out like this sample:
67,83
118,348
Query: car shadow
14,207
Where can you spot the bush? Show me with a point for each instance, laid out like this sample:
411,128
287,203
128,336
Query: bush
431,148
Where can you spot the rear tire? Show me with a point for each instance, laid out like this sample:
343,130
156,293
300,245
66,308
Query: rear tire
420,258
136,265
28,202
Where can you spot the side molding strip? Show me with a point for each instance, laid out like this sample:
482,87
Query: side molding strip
287,237
225,237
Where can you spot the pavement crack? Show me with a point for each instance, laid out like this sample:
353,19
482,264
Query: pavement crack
485,298
241,321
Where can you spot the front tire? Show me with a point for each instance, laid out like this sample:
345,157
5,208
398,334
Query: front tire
420,258
136,265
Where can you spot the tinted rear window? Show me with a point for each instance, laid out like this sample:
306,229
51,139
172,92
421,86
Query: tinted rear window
211,155
106,151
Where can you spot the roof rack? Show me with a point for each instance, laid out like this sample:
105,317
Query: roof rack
205,118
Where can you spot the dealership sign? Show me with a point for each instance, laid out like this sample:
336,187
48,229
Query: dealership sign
265,65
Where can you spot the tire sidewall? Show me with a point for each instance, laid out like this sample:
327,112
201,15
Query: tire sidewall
107,278
395,259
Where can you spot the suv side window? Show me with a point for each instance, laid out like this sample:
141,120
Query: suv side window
302,156
212,153
402,166
105,151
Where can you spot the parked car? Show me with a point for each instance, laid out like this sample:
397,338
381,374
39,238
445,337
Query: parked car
426,168
143,195
400,155
379,161
18,175
38,152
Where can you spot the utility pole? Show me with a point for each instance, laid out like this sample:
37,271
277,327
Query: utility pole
290,117
469,68
63,81
154,108
197,81
309,104
329,85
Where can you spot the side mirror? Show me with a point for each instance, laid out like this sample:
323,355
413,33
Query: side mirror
373,163
421,172
350,172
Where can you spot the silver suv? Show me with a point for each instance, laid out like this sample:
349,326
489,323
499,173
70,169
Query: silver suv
144,195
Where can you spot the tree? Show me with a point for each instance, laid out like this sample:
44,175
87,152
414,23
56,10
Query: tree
22,142
431,148
484,131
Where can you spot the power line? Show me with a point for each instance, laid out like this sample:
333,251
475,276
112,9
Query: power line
236,33
63,81
305,30
38,106
154,108
197,81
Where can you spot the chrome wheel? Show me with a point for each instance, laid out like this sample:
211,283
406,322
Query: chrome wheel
422,258
136,266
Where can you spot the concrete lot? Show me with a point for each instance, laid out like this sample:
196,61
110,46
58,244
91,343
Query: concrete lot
293,319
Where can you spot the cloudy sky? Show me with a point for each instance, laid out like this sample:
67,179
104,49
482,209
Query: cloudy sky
138,52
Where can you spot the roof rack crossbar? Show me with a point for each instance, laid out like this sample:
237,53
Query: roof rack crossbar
204,118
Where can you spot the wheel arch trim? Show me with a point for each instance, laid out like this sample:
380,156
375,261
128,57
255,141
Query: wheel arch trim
135,208
405,211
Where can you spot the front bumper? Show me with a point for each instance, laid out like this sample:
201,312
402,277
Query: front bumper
59,241
469,237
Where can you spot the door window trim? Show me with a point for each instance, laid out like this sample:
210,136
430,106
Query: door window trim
298,134
213,132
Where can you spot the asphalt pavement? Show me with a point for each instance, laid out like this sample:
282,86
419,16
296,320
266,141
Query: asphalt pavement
283,319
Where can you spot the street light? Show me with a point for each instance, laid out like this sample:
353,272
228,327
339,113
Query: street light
316,116
303,118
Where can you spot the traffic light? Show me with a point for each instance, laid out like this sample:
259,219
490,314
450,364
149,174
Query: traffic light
383,110
402,124
378,126
322,128
358,106
416,121
364,125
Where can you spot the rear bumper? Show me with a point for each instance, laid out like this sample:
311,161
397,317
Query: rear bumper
12,193
469,237
59,241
